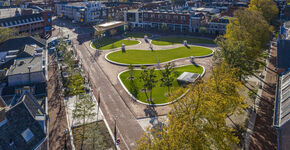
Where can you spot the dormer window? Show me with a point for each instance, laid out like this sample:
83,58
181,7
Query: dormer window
27,135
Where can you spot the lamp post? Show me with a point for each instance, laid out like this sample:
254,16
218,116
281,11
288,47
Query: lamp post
65,133
115,131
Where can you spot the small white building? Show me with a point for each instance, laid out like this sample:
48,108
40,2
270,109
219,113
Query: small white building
187,77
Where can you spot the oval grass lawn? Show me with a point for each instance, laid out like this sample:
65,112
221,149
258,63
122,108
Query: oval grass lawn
170,40
151,57
137,35
111,43
159,93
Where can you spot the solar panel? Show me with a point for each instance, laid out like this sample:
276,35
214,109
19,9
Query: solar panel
286,77
285,96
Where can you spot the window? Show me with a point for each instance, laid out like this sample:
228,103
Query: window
159,16
182,17
152,15
167,16
27,135
175,17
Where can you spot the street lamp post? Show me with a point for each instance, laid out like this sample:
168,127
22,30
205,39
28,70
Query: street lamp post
115,131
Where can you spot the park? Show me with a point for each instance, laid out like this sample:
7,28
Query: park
152,50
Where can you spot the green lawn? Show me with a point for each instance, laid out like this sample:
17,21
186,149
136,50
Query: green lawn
111,43
137,34
159,93
151,57
169,40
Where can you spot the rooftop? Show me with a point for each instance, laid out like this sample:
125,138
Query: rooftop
109,25
282,111
188,77
19,119
283,54
21,66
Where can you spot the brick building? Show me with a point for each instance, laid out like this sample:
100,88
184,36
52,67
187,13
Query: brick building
29,23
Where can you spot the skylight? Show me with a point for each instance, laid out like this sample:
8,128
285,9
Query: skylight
27,134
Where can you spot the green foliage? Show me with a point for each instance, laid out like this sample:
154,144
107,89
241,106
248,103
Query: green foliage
76,84
7,33
131,72
151,57
250,27
170,40
238,55
268,8
148,78
167,76
137,34
111,43
159,94
198,121
83,111
252,94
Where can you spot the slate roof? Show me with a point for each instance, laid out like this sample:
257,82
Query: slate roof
21,66
19,43
282,109
283,54
19,118
12,21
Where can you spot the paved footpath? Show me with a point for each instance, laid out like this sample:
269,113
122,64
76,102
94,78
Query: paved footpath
128,129
264,136
56,109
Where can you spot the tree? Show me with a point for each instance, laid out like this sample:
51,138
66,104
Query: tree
250,27
198,121
148,78
83,111
131,72
239,56
268,8
76,84
167,76
94,138
7,33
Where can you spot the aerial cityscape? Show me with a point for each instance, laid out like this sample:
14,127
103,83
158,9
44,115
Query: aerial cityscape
145,74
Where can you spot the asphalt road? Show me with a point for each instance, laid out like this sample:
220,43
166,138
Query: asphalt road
112,104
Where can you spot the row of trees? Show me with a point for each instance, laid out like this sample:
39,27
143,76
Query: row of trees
148,78
247,35
198,121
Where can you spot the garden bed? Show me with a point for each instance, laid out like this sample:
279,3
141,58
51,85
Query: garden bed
170,40
160,94
112,43
152,57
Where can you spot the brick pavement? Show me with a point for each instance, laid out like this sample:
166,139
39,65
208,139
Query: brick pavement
264,135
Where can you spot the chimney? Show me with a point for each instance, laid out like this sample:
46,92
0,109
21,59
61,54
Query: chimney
2,114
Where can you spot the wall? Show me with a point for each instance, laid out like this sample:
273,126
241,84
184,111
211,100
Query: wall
23,79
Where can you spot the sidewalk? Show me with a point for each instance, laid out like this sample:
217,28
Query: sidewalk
261,135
